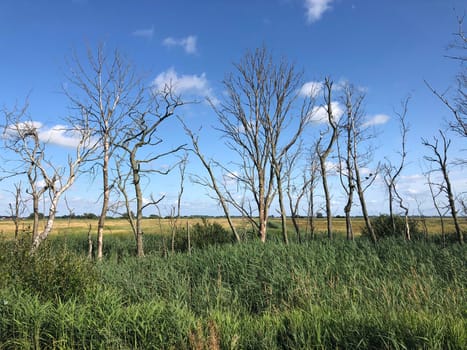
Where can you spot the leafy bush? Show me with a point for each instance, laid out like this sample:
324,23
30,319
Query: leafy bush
50,273
202,235
382,225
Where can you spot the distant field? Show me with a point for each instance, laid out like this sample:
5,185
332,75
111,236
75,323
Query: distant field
162,226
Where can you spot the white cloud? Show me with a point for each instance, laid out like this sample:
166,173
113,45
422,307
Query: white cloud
319,115
316,8
311,89
188,44
377,119
197,85
147,33
59,135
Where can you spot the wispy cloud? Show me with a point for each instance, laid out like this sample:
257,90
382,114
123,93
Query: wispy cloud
196,85
316,8
188,44
377,119
147,33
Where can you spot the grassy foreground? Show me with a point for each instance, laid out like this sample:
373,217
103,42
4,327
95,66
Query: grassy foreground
322,294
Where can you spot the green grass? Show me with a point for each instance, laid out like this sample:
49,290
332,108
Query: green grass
322,294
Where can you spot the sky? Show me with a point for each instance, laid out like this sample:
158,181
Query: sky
387,48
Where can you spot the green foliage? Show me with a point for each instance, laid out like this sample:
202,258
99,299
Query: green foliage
382,225
322,294
203,235
51,274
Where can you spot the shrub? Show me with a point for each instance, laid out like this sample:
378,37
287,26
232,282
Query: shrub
382,225
202,235
51,273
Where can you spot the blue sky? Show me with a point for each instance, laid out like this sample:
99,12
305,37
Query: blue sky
387,47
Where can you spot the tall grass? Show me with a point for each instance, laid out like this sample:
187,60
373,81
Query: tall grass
322,294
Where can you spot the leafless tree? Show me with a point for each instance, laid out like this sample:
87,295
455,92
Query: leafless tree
441,209
22,137
211,181
17,209
104,91
141,134
260,121
313,176
391,172
459,105
345,158
439,147
324,152
359,135
296,191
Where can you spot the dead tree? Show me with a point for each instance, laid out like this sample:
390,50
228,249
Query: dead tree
436,190
140,143
391,172
439,147
104,91
17,209
324,152
260,122
22,137
313,175
359,135
296,191
211,182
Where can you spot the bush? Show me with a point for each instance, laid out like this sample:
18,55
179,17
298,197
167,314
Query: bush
51,273
382,225
202,235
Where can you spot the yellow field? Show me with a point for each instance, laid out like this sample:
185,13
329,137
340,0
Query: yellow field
163,226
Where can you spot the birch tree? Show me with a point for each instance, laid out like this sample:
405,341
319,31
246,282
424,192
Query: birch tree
22,138
104,91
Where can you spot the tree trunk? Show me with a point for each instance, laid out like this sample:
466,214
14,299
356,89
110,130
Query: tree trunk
452,205
282,207
327,196
105,198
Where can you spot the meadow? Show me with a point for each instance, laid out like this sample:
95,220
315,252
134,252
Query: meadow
320,294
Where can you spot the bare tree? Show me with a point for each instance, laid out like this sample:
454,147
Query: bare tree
391,172
22,137
345,159
436,191
359,134
323,153
17,209
104,91
313,175
296,191
143,133
210,182
254,117
459,105
439,147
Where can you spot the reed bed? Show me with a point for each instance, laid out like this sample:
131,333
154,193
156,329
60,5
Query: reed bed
321,294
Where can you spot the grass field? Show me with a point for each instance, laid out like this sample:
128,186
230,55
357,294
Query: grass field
162,226
320,294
